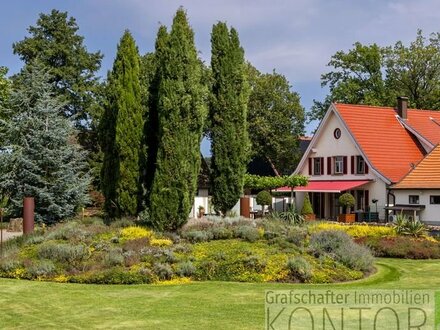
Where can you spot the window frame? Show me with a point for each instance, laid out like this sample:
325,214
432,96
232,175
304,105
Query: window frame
360,160
414,202
317,164
338,160
432,198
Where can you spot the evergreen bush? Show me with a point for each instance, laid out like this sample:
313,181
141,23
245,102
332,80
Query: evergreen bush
307,206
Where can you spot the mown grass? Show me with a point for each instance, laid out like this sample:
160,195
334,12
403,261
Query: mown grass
202,305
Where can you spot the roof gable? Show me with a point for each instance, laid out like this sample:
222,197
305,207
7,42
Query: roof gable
390,148
426,175
323,132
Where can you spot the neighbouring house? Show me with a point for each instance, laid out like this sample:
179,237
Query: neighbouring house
365,150
418,193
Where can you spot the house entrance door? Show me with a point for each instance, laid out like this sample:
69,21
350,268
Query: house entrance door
318,204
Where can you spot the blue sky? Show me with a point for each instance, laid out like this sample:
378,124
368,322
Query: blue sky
296,37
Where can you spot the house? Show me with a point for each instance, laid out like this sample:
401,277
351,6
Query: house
364,150
418,193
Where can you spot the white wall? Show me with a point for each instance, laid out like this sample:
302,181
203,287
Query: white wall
327,146
431,214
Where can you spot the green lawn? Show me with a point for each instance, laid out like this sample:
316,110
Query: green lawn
205,305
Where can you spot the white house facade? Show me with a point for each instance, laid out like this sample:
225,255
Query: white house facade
364,150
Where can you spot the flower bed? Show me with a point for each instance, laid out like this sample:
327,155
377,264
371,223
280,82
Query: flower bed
226,250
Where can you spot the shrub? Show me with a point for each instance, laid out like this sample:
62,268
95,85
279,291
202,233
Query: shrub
346,201
163,271
328,241
97,199
122,223
161,242
355,257
307,206
264,198
254,263
355,231
297,236
196,236
114,257
299,269
248,233
67,231
185,269
130,233
63,252
134,245
341,247
220,232
8,265
41,268
403,247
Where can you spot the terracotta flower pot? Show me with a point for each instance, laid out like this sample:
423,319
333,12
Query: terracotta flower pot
309,217
347,218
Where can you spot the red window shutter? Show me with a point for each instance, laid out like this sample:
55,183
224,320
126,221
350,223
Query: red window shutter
310,166
352,164
345,164
329,165
322,165
367,200
366,168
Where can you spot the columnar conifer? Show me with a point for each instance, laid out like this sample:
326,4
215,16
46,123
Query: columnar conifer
181,114
121,131
228,117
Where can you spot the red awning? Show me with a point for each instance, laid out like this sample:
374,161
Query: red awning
326,186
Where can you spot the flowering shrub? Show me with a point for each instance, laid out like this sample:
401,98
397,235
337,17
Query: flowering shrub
403,247
161,242
132,232
355,230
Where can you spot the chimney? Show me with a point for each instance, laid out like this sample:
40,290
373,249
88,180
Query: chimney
402,107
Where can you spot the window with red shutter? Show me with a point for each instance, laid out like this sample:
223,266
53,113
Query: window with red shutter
345,164
310,166
366,168
329,165
352,164
322,166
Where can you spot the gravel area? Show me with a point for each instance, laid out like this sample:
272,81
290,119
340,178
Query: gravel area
8,235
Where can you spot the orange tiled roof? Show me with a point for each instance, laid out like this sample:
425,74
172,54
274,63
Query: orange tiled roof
426,175
425,122
389,147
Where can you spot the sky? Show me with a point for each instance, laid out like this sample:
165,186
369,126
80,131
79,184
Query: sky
296,37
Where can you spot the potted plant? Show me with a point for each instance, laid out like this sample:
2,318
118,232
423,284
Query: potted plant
347,201
201,212
264,198
307,209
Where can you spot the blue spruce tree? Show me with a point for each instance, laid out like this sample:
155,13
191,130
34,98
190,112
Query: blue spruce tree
40,156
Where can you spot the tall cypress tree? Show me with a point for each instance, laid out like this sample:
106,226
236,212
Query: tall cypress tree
150,74
228,118
121,131
181,114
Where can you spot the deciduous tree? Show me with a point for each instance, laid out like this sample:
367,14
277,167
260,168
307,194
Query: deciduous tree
276,119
